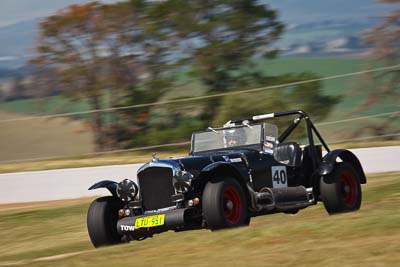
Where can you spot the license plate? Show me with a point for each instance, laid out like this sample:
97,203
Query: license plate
150,221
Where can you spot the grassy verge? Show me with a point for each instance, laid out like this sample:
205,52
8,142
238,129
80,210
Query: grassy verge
54,234
43,137
133,157
86,161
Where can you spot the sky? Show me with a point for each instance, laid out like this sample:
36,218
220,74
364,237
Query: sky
292,11
14,11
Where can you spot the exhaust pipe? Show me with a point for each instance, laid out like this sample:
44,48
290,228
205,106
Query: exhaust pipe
281,199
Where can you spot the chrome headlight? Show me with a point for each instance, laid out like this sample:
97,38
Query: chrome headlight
182,181
127,190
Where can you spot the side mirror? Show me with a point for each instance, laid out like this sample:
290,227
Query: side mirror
288,153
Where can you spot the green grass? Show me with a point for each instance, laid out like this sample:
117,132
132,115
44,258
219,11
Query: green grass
54,234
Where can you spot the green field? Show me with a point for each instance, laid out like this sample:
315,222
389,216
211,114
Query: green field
189,87
43,138
54,234
21,140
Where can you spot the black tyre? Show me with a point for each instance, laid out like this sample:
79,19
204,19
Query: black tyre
344,194
102,220
224,204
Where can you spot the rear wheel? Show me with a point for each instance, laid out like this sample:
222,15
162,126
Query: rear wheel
344,194
224,204
102,220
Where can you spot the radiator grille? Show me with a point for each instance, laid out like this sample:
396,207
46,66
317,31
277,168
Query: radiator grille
156,188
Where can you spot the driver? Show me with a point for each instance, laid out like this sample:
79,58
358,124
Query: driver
234,137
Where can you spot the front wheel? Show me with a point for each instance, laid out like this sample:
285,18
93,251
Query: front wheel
344,194
224,204
102,220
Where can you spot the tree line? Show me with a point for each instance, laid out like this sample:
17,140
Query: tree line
137,52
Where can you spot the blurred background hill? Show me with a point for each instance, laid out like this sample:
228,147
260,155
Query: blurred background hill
314,28
312,39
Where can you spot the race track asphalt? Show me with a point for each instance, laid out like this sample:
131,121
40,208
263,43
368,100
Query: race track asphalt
73,183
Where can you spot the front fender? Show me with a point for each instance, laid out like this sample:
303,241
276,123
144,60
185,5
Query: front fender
222,166
223,169
329,160
110,185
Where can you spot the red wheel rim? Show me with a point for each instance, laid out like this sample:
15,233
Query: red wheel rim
232,205
348,188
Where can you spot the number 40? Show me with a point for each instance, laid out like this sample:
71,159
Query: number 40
280,176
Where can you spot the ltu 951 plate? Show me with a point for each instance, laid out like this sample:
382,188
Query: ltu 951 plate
150,221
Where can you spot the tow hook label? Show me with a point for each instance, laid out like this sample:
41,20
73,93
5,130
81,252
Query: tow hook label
126,228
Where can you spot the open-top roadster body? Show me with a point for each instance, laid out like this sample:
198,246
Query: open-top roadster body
231,174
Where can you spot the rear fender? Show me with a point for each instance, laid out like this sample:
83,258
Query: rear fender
110,185
224,169
329,160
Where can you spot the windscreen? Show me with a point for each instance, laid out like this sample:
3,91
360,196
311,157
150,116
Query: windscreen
227,138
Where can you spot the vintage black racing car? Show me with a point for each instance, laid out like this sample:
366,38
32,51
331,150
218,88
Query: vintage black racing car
231,174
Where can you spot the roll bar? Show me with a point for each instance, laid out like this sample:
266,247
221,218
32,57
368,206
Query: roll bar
311,129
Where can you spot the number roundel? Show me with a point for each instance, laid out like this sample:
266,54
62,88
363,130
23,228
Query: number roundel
279,176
